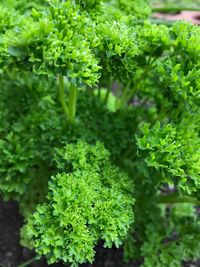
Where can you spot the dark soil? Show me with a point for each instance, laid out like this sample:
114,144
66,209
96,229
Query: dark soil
10,222
12,254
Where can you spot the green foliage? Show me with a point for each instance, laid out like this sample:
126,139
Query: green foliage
49,45
88,200
27,126
174,154
139,9
89,4
174,240
97,101
33,126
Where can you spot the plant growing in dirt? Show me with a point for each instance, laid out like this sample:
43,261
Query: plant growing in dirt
99,133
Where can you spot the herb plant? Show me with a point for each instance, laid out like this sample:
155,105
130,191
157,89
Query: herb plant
99,133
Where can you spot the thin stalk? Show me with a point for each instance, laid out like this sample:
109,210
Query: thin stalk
174,198
117,94
72,103
131,93
108,90
107,95
145,72
128,152
99,92
62,94
122,101
156,21
168,9
162,21
27,263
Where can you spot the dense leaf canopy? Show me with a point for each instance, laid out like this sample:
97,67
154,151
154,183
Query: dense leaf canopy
100,129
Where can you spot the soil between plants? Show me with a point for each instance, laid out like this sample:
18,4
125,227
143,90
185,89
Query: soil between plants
12,254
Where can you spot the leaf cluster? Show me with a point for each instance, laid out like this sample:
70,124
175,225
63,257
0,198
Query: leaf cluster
136,126
173,154
88,200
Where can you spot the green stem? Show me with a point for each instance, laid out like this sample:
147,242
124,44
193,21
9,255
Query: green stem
69,107
174,198
99,92
72,103
62,94
122,100
109,88
27,263
135,88
127,153
118,91
107,95
174,9
156,21
162,21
